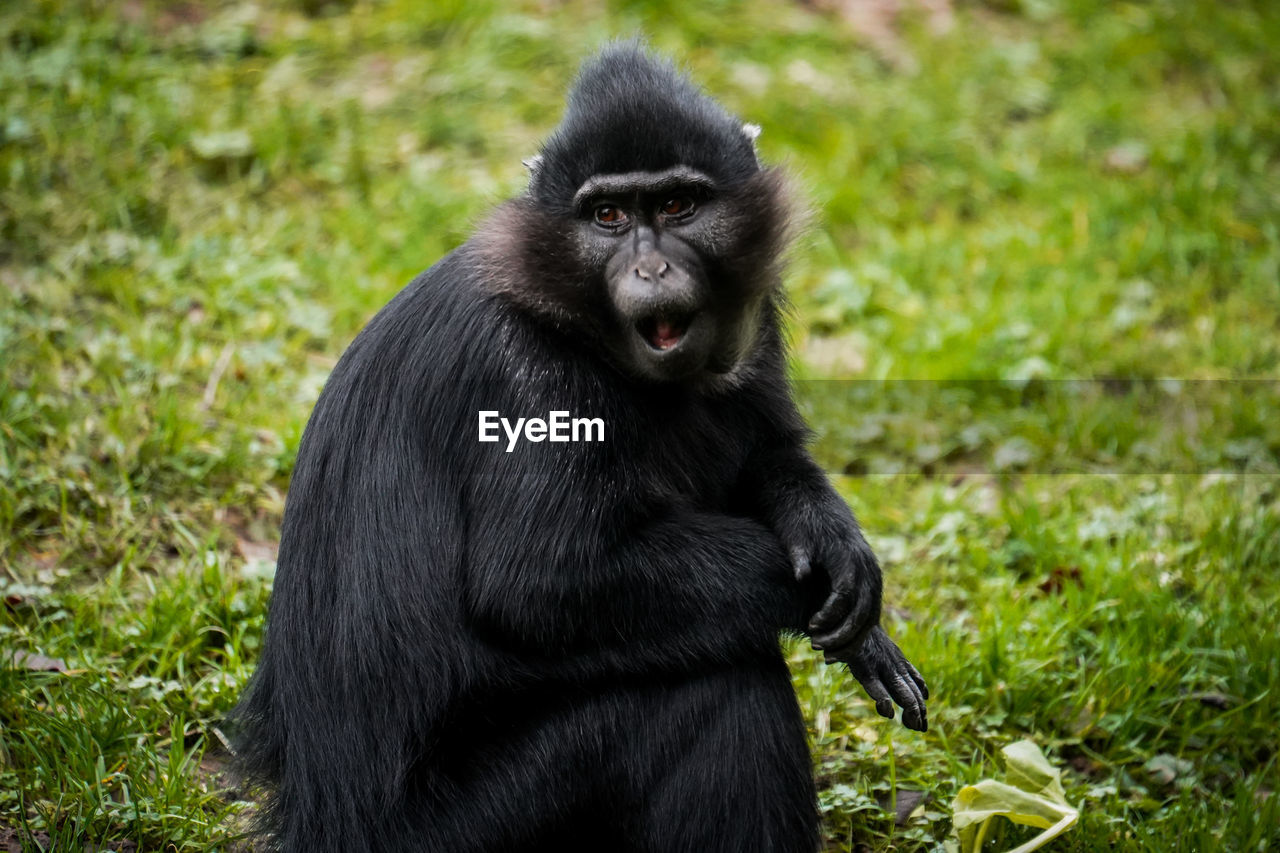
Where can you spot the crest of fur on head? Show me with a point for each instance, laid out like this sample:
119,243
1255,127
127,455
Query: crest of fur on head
630,111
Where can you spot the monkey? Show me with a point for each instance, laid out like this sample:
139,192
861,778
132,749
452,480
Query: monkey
480,644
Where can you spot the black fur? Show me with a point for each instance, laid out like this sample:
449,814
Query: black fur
631,112
571,645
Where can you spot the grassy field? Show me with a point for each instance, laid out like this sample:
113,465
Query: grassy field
201,204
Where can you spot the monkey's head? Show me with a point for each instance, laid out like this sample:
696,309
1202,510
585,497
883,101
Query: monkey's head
649,224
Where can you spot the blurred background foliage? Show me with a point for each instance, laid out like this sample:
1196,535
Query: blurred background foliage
201,204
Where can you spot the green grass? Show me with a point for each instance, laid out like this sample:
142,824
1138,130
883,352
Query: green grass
200,205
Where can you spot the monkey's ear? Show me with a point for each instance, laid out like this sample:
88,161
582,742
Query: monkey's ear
752,133
533,164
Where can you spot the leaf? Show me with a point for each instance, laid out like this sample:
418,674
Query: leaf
1027,768
37,663
1166,769
1128,157
1032,796
904,805
1059,578
1017,452
223,145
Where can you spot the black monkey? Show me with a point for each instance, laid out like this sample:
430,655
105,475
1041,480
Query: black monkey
546,644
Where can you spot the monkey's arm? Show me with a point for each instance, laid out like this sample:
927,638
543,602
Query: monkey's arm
823,538
676,593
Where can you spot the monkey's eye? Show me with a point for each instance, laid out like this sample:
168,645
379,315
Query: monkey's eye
610,216
677,207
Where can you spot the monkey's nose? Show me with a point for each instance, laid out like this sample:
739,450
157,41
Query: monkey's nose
645,270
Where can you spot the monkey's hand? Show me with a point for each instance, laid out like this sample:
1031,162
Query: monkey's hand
831,557
840,577
888,677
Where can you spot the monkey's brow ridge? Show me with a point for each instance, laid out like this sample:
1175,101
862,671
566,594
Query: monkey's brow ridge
628,182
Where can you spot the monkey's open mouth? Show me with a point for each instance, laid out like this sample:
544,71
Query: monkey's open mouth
664,331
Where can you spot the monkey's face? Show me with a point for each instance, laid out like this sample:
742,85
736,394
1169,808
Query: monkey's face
658,241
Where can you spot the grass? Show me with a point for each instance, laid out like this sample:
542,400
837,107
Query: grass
200,205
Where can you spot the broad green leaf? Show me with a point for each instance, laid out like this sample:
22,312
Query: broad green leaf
1032,796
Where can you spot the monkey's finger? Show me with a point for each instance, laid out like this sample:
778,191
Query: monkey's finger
916,718
833,612
908,696
917,678
878,692
849,633
879,641
800,562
